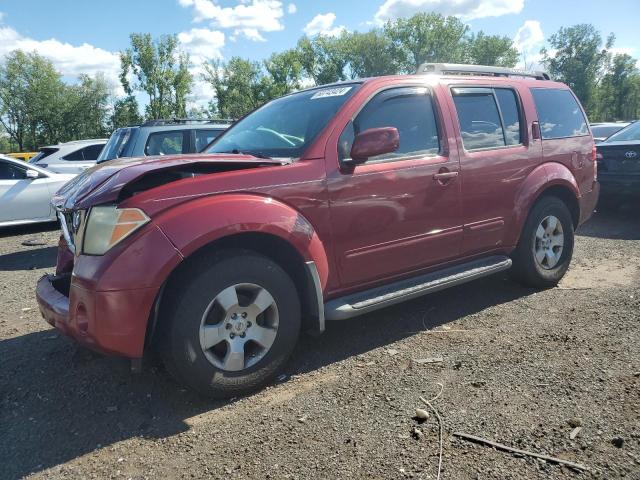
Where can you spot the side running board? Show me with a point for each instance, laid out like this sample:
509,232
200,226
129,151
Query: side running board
390,294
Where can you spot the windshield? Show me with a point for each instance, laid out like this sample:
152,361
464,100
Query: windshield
116,145
43,153
285,127
630,133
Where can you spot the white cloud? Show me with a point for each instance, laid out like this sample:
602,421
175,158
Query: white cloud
529,39
323,24
291,9
250,34
202,43
465,9
70,60
249,18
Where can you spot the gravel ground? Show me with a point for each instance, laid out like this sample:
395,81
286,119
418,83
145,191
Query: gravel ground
521,367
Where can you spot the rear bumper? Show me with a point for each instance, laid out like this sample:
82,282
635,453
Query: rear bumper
109,322
614,184
588,202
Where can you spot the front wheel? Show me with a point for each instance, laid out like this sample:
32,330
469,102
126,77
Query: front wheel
544,251
231,325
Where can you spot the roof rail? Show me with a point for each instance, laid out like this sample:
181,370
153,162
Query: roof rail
482,70
184,121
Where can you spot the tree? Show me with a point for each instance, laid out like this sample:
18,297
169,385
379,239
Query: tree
323,58
86,108
578,59
285,72
162,72
482,49
125,113
369,54
239,84
618,94
426,37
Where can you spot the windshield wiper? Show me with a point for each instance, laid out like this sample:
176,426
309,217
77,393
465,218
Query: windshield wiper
235,151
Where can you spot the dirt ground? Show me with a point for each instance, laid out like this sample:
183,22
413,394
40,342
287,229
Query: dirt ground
521,367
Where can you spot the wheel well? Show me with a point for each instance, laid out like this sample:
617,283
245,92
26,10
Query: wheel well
271,246
567,197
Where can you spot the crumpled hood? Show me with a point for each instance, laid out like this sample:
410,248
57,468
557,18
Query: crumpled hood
103,182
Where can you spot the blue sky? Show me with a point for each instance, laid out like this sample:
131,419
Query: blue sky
85,36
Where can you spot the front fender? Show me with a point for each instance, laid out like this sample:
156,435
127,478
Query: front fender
542,178
194,224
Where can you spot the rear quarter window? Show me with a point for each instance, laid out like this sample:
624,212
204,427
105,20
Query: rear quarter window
559,113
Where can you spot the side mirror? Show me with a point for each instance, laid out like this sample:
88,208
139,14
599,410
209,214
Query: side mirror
32,174
374,141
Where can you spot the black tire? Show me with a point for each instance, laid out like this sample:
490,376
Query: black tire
526,269
193,290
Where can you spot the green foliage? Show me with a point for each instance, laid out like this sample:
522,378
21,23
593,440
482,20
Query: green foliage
125,113
323,58
240,86
482,49
618,95
37,107
426,37
161,71
578,60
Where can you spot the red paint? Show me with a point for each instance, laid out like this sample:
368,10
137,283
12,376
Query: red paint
375,141
362,225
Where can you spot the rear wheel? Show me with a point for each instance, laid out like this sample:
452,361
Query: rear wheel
230,326
544,252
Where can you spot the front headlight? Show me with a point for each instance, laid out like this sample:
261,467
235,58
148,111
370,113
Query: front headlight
108,225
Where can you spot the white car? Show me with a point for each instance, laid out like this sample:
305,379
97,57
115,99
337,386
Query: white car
70,157
26,191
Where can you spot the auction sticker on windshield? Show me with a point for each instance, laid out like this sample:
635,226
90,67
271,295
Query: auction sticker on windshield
331,92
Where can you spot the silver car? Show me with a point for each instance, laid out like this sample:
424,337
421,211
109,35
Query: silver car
26,191
69,157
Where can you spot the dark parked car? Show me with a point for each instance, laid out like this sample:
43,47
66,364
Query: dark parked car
162,137
619,164
327,203
602,131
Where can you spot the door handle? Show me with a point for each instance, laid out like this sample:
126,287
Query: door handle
444,176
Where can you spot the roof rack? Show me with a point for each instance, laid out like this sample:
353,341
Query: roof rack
482,70
184,121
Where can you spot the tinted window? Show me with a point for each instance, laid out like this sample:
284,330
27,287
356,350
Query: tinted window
479,118
92,151
9,171
44,152
559,113
410,110
630,133
165,143
287,126
205,137
510,115
77,155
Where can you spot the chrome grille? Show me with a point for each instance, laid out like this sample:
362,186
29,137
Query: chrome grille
66,224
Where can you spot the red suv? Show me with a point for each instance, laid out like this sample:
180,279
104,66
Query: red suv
324,204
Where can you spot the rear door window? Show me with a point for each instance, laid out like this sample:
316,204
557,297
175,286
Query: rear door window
166,143
559,113
43,153
87,153
488,117
92,151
